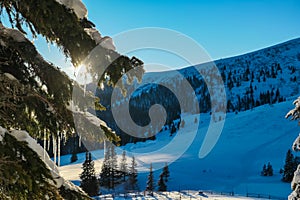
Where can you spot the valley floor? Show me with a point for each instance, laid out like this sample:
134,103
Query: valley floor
249,140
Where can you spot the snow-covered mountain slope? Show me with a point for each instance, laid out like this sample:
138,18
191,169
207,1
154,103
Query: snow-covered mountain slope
249,140
269,69
262,77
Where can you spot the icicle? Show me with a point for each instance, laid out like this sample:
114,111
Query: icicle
54,148
65,137
48,148
49,48
79,144
84,89
45,143
104,150
84,85
58,151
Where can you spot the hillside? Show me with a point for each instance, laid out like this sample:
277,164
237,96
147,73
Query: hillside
267,76
248,141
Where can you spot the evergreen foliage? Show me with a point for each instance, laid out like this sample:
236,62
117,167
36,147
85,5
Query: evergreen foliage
89,182
270,170
105,174
290,167
17,179
123,166
267,170
23,175
163,178
264,171
295,115
166,172
110,176
161,183
132,179
173,129
40,109
150,181
74,157
35,94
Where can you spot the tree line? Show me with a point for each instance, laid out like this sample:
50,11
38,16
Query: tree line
114,174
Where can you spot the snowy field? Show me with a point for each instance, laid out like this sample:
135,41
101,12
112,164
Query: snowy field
184,195
249,140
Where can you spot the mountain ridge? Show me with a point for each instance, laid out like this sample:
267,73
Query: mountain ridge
267,76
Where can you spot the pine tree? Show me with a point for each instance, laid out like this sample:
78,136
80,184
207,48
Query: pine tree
123,166
132,179
295,115
35,94
173,129
269,169
166,172
289,167
104,178
150,181
74,157
264,171
110,175
161,183
89,181
115,173
17,180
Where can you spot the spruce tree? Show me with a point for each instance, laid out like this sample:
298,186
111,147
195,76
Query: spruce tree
115,172
123,166
295,115
161,183
17,179
289,167
74,157
264,171
49,107
89,181
104,178
150,181
269,169
173,129
110,175
132,179
35,94
166,172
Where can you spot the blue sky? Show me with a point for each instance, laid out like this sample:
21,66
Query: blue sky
222,28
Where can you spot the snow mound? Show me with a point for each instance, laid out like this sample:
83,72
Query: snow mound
77,6
13,33
10,77
107,43
94,34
